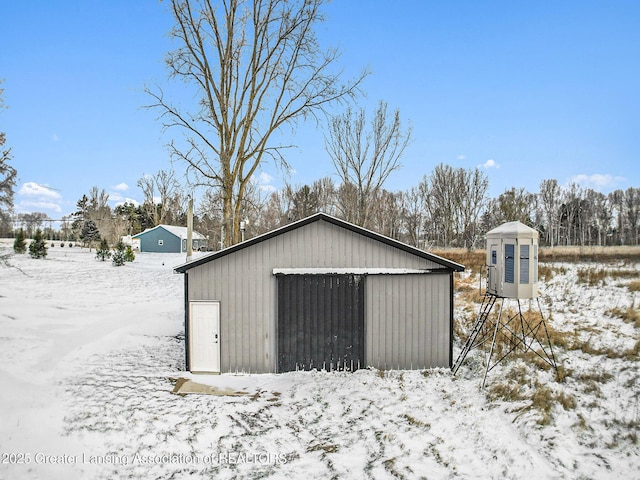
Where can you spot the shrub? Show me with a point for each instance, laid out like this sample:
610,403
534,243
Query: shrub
129,256
102,251
61,244
37,247
118,258
121,255
20,243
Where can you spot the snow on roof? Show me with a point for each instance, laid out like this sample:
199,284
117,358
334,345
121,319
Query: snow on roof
513,229
180,232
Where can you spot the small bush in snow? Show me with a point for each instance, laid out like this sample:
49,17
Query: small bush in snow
61,244
129,256
20,243
103,251
37,247
117,259
120,255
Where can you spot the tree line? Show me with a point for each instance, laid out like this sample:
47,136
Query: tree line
450,207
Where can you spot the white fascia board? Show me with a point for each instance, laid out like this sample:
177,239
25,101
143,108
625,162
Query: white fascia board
345,271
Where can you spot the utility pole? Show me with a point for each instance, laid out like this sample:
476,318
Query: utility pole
190,229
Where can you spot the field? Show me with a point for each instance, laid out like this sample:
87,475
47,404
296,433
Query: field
90,355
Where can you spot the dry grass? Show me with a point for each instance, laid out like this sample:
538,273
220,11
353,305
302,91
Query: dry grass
628,254
592,276
597,276
634,286
629,315
540,397
474,260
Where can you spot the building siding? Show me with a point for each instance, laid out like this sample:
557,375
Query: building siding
149,241
407,321
244,283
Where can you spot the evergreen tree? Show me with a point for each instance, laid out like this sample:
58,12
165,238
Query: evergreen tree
20,243
89,233
37,247
129,256
119,255
103,251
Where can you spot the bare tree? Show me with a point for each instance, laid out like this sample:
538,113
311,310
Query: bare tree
415,215
550,205
365,158
163,199
632,213
440,191
257,67
7,180
100,212
472,186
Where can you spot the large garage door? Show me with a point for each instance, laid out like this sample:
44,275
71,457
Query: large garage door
320,322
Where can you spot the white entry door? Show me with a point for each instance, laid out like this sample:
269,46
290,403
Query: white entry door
204,337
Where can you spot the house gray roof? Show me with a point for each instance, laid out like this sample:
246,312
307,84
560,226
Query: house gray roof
316,218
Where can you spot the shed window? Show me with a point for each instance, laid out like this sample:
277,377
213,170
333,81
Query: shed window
509,256
524,264
160,242
494,257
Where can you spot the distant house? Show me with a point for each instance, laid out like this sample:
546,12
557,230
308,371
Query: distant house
167,239
318,293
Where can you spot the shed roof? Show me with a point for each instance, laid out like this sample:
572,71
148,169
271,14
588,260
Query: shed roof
513,229
180,232
324,218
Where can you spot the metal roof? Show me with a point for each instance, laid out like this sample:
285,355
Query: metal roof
513,229
325,218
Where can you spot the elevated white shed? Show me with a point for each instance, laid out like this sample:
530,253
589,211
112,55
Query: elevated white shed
512,257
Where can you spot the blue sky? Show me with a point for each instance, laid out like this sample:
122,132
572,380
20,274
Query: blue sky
524,90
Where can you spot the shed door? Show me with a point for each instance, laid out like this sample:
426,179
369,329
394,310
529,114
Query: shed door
493,269
204,337
320,322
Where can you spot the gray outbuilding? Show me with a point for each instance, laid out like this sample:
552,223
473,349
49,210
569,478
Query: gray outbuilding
318,293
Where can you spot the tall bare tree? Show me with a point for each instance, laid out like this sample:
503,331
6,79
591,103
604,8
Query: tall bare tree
256,66
163,200
550,205
7,180
365,155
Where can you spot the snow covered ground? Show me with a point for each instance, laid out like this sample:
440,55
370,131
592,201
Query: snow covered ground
89,355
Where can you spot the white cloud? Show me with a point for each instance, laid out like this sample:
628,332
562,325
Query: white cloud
117,199
122,187
461,157
35,190
122,201
597,180
491,163
32,206
264,178
263,181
